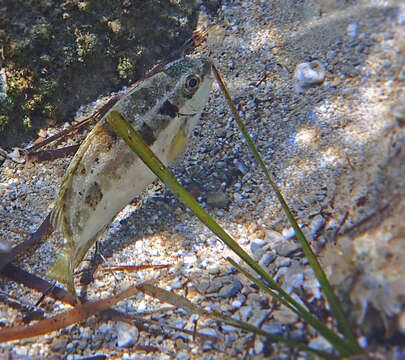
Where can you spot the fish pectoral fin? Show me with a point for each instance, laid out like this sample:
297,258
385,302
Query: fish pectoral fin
178,146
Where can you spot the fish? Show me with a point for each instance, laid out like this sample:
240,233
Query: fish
105,175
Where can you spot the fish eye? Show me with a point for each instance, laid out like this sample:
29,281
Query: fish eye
192,83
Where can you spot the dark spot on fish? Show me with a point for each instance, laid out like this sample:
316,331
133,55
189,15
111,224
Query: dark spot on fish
147,134
96,160
83,171
169,109
128,159
94,195
143,99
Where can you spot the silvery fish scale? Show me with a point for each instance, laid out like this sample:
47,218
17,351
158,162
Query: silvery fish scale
105,175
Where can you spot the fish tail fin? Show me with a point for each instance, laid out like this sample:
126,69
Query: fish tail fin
62,271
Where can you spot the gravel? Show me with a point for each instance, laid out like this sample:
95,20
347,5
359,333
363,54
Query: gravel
334,148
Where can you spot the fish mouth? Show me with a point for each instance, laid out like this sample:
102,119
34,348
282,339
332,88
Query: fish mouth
191,114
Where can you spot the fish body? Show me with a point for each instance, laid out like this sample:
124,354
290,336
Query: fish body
105,175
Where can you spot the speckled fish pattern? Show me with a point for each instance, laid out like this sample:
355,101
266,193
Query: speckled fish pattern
105,175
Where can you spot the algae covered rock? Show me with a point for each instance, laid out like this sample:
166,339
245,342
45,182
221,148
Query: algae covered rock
58,55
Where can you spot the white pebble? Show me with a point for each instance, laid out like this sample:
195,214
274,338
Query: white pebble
189,259
15,154
273,236
352,30
259,345
288,233
39,184
319,343
363,342
127,334
309,74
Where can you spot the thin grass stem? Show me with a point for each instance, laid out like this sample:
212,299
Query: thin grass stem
332,299
136,143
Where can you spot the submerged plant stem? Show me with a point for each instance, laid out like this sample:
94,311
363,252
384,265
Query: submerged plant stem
136,143
332,299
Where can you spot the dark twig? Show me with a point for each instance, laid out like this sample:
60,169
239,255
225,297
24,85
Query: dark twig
365,219
36,283
77,127
22,306
51,154
82,312
31,244
335,234
45,294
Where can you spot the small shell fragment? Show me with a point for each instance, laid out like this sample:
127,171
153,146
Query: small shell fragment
309,74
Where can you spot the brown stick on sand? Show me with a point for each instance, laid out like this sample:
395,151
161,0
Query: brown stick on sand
31,244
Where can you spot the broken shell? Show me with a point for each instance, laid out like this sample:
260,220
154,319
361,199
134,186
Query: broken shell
309,74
